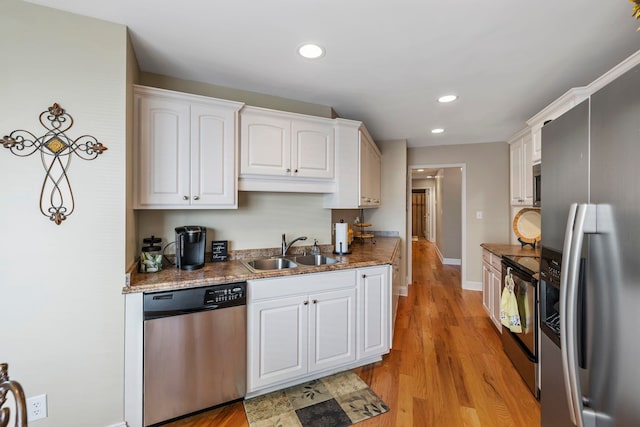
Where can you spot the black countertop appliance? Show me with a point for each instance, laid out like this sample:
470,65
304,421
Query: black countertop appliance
190,246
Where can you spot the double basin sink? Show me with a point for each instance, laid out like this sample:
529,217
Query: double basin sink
281,263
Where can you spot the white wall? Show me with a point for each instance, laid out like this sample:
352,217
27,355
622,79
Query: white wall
259,221
448,217
60,286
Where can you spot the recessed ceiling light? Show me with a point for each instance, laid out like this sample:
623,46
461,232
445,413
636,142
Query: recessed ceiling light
447,98
437,130
420,170
311,51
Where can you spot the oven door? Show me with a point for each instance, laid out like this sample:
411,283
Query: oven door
525,292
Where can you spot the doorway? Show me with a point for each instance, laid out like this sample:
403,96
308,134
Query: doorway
419,214
440,227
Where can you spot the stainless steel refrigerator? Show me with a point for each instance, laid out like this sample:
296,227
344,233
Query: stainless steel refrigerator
590,266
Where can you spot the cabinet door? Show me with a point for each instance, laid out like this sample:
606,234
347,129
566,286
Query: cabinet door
527,169
277,341
265,144
496,293
375,177
213,165
312,149
536,137
370,170
515,169
332,323
365,171
163,152
374,326
487,297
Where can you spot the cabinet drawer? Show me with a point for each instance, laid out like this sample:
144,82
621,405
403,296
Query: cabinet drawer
486,256
298,284
496,262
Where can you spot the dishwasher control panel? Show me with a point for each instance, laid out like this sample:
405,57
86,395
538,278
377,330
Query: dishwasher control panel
192,300
224,294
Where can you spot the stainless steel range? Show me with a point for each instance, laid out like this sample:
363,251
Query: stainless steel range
522,347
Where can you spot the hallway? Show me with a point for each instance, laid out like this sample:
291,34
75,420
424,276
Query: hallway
446,368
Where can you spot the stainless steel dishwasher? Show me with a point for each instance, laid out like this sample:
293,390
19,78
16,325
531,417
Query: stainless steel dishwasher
194,350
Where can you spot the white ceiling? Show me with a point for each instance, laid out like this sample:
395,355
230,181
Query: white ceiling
386,62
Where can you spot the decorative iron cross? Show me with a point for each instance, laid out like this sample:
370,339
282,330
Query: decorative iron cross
55,149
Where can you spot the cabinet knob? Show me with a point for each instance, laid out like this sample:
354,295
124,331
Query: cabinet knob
364,276
295,171
288,170
306,303
196,197
185,197
315,301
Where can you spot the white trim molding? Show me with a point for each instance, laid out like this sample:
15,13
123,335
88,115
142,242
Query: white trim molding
472,286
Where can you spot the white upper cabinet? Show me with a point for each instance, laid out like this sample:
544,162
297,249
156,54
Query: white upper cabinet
370,171
358,168
185,151
521,169
282,151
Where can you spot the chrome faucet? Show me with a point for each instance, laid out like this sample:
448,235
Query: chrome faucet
286,246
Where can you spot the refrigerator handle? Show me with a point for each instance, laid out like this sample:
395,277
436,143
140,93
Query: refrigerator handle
564,277
584,223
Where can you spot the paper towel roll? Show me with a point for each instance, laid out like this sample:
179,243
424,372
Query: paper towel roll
342,234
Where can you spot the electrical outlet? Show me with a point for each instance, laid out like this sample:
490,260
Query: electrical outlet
127,279
37,407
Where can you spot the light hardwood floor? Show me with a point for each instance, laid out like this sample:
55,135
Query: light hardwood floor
446,368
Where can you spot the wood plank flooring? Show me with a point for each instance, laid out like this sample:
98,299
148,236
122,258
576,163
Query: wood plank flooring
446,368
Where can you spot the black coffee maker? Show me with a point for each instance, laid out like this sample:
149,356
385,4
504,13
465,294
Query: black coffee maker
190,244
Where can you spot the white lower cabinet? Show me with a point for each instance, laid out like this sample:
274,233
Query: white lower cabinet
374,318
312,323
492,286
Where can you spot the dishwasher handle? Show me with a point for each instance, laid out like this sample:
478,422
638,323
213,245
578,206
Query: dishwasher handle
150,315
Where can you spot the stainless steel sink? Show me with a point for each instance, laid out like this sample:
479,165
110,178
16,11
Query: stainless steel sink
263,264
314,260
281,263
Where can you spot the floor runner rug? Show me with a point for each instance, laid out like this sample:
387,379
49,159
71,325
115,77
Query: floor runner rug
338,400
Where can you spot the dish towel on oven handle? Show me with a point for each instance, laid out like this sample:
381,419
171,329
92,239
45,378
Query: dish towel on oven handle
509,315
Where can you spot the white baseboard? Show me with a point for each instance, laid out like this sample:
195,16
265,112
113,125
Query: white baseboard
403,291
122,424
447,261
472,286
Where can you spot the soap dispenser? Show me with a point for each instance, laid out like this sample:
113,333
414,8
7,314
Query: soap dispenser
315,250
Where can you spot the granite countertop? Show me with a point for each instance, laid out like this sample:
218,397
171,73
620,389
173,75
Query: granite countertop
516,250
363,255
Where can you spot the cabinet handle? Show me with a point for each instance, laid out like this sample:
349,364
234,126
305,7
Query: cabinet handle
185,197
196,197
306,303
315,301
295,171
364,276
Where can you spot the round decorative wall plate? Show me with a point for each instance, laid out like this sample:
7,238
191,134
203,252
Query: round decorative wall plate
526,225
